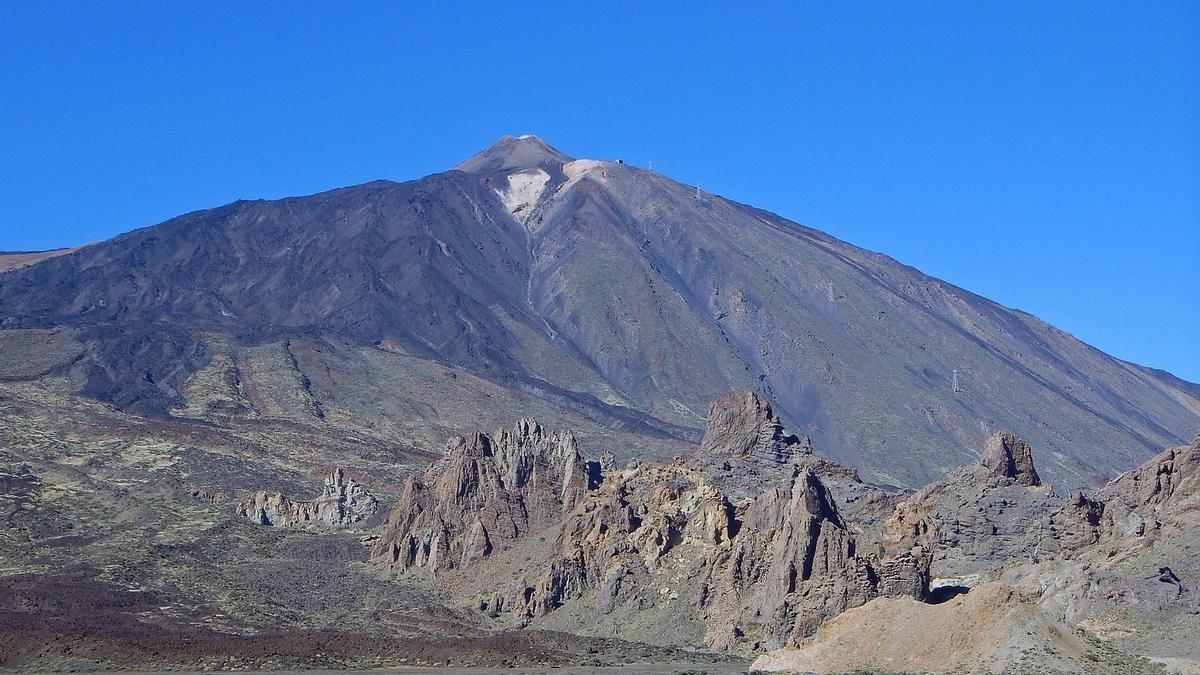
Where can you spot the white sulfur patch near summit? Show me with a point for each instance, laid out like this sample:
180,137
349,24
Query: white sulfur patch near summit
581,167
524,189
577,168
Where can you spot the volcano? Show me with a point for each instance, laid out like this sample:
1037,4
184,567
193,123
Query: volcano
599,289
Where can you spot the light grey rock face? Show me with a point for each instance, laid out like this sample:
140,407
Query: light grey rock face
784,561
1164,491
631,539
746,448
1142,566
1161,496
751,520
342,502
795,563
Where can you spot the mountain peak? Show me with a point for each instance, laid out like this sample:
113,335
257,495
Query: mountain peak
515,153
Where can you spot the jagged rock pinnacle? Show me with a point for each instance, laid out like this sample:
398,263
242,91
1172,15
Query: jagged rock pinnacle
1010,457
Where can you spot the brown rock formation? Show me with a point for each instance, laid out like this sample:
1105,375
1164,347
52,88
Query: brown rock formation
620,533
742,425
1010,457
779,564
746,448
668,540
483,494
342,502
793,564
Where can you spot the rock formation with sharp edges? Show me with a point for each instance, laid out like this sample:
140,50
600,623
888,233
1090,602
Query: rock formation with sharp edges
485,492
342,502
776,564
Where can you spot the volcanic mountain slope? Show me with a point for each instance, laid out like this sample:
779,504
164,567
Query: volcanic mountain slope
598,288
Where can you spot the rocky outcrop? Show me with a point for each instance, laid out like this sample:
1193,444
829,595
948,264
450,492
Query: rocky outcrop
776,565
981,517
483,494
742,425
617,538
1119,565
984,517
755,555
1163,492
795,563
342,502
668,540
747,448
1010,458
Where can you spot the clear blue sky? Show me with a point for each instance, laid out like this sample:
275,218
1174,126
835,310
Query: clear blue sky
1046,155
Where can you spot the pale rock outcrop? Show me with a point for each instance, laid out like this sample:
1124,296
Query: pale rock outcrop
484,493
769,570
778,564
671,539
622,531
342,502
746,448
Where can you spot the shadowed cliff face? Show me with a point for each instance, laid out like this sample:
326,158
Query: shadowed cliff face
613,291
